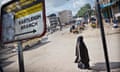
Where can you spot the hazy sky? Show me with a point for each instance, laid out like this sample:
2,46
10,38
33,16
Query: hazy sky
54,6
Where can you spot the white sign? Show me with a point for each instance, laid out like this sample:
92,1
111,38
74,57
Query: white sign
8,31
29,26
23,23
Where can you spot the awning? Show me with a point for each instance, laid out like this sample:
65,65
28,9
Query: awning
107,5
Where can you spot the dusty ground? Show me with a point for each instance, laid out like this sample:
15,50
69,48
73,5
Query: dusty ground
57,54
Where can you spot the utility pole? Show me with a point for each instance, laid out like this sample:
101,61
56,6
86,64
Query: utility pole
103,37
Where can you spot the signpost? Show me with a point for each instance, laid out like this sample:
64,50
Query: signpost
22,20
20,57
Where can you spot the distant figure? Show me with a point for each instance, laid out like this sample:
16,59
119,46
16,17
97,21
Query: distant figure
61,27
115,23
72,28
107,20
82,57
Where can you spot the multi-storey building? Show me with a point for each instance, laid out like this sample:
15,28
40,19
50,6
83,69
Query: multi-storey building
53,22
65,16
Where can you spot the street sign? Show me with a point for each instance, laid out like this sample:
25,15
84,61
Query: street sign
23,19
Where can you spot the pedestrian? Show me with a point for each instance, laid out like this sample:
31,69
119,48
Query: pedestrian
72,28
82,56
115,22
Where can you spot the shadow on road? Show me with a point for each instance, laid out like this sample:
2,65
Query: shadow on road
113,33
6,63
36,46
4,60
102,66
6,51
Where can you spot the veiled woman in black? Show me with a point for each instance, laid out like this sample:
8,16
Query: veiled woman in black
82,53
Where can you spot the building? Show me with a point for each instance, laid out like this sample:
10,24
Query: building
110,8
53,22
116,9
65,16
106,8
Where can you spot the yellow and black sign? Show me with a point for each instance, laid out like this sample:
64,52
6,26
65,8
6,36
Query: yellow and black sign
19,3
23,8
28,11
23,19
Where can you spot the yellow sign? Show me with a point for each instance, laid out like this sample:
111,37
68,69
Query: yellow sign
20,3
28,11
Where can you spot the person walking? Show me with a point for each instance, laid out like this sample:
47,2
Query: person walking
115,22
82,56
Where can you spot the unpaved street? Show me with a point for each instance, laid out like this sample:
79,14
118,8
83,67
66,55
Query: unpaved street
57,54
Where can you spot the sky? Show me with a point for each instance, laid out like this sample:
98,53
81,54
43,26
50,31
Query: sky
55,6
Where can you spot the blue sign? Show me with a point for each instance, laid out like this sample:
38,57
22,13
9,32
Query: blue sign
106,5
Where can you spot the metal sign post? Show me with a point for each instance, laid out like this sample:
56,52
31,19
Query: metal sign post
103,37
20,57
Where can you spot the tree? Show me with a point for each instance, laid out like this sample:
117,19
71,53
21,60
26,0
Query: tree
83,10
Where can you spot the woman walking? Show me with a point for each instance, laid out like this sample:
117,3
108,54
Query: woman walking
82,56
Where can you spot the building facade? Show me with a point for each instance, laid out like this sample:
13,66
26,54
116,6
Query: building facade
106,8
53,22
65,16
116,9
110,8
